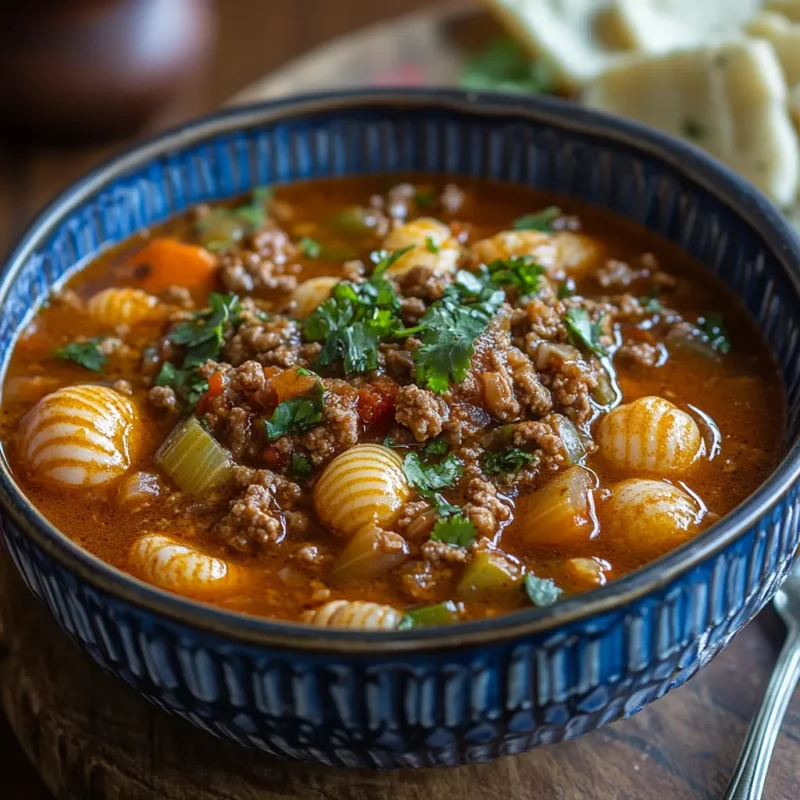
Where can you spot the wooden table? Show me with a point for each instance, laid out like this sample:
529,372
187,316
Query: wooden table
682,747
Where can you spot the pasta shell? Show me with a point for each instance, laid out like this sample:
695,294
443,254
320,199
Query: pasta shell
78,436
312,293
114,307
650,434
650,517
354,614
364,485
433,244
517,244
179,567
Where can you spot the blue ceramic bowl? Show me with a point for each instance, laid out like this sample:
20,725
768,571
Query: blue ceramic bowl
481,689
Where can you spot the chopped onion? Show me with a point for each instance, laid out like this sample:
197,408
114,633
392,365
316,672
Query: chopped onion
370,552
571,439
194,460
550,353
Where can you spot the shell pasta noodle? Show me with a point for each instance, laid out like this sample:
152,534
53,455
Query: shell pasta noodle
390,403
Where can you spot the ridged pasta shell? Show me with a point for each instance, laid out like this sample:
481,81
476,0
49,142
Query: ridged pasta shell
179,567
651,435
650,517
434,246
364,485
123,306
516,244
354,614
312,293
78,436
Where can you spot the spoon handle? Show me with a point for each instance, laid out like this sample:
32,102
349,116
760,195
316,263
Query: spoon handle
747,782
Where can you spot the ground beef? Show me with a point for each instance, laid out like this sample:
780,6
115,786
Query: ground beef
399,200
545,319
422,411
397,361
123,387
466,420
640,354
178,296
341,424
484,508
420,579
412,310
416,520
424,283
539,435
619,274
164,397
275,342
253,520
571,389
532,394
437,552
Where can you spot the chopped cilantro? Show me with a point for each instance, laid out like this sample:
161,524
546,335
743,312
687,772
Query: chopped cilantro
296,414
222,228
86,353
692,129
448,331
435,447
541,591
203,334
429,478
301,466
522,273
506,67
383,259
310,248
455,530
581,331
188,384
431,246
566,290
539,221
712,326
429,616
650,302
507,462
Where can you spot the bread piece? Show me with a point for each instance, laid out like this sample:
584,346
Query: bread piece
784,36
659,26
729,98
577,38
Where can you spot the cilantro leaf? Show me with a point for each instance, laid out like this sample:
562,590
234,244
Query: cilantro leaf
541,591
505,66
581,331
424,198
508,462
538,221
435,447
383,259
222,228
86,353
712,326
429,478
203,334
522,273
296,414
650,302
431,246
310,248
189,385
455,530
300,466
448,334
565,291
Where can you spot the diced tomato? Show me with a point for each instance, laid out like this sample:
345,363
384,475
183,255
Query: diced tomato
272,456
376,402
216,386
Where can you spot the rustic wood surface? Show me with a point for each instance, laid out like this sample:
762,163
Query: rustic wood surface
91,738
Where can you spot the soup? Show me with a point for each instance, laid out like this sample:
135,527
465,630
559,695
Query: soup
389,404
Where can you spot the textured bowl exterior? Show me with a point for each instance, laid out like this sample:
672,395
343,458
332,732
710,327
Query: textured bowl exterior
483,689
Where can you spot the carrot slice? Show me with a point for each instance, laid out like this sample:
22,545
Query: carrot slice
168,262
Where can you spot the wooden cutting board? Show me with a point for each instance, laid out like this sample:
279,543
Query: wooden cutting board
91,738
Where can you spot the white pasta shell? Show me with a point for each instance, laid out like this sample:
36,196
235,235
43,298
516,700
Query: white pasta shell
364,485
651,435
434,246
179,567
649,517
78,436
312,293
121,306
517,244
354,614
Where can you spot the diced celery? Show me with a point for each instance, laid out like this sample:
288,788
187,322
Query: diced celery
490,571
430,616
194,460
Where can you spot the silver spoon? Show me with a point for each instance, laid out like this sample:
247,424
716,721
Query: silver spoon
748,779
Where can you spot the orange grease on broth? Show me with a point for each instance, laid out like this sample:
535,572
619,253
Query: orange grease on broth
742,392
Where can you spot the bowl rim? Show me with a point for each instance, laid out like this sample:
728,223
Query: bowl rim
744,201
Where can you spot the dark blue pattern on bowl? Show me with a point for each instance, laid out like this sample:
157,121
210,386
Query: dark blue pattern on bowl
484,689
